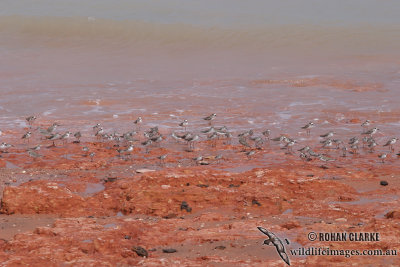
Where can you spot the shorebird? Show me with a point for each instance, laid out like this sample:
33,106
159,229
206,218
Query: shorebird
52,128
304,157
289,145
324,158
78,136
382,157
198,159
213,137
96,127
128,150
337,142
250,153
184,124
390,143
353,141
208,130
146,144
274,240
308,127
327,144
243,142
4,147
91,155
54,137
344,151
30,120
266,134
35,148
26,136
33,154
371,132
372,146
210,118
304,149
191,141
162,159
65,137
218,158
327,135
366,123
137,122
99,132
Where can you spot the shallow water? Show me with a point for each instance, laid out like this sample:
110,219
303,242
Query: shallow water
259,64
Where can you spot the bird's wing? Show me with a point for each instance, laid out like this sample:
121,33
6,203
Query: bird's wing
284,257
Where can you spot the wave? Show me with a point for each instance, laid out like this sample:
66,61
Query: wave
361,38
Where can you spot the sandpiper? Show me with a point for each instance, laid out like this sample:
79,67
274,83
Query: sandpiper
96,127
366,123
128,150
30,120
213,137
198,159
191,141
162,159
26,136
78,136
210,118
353,141
35,148
344,151
52,127
33,154
184,124
146,144
91,155
382,157
250,153
138,122
243,142
54,137
99,132
308,127
65,137
304,149
327,135
372,146
327,143
208,130
371,132
4,147
304,157
325,158
289,146
390,143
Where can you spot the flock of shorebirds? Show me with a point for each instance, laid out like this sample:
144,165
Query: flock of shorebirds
252,143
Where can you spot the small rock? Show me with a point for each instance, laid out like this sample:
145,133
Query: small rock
127,237
170,216
185,206
169,250
220,247
140,251
203,185
384,183
393,215
255,202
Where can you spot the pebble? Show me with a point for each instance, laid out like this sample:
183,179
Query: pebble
169,250
140,251
384,183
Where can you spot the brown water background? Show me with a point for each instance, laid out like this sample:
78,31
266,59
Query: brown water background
257,64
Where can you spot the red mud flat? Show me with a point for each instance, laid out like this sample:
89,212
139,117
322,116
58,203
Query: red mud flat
75,212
